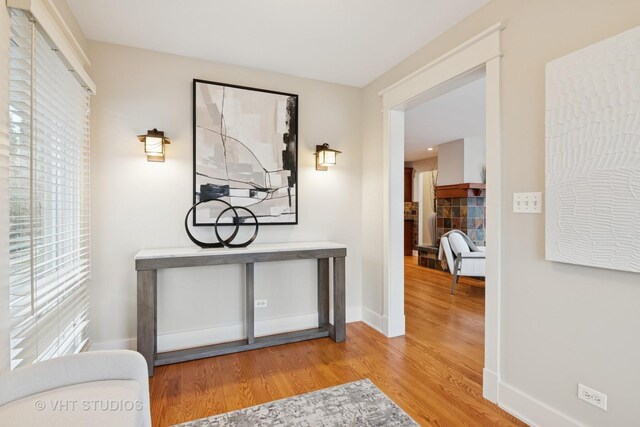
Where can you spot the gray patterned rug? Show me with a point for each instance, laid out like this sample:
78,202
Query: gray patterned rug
359,403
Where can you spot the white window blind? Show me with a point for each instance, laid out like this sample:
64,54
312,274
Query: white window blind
49,261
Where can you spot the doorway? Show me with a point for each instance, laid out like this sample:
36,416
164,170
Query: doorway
444,158
482,52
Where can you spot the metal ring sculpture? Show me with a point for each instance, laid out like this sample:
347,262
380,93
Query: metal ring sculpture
228,242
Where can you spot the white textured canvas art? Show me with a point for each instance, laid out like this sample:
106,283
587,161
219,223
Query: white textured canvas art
593,155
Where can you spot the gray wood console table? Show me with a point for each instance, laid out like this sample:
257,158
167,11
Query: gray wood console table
148,261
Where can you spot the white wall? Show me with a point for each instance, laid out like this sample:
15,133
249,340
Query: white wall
136,204
4,195
451,163
419,166
561,324
474,159
461,161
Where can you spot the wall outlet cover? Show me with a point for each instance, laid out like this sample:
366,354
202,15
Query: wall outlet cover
592,396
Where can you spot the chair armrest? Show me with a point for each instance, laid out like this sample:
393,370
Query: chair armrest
75,369
472,255
481,248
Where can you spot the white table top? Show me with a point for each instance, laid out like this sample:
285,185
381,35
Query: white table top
255,248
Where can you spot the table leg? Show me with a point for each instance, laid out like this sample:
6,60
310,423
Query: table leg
339,302
147,316
249,300
323,292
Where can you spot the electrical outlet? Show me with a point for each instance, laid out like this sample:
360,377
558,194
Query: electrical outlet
261,303
527,202
592,396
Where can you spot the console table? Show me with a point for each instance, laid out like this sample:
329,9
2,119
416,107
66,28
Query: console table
148,261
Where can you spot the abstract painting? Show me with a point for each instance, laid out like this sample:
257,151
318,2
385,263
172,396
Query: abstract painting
593,155
245,152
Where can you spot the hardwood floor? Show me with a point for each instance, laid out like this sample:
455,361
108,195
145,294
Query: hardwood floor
434,372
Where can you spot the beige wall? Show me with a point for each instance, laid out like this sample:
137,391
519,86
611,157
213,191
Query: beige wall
451,162
561,324
4,196
138,205
474,159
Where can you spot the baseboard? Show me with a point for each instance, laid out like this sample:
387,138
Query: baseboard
395,330
530,410
224,333
490,385
233,332
354,314
125,344
372,319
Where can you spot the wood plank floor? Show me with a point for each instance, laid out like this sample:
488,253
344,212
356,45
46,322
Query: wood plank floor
434,372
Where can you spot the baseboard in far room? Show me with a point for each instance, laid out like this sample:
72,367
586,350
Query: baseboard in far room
530,410
231,332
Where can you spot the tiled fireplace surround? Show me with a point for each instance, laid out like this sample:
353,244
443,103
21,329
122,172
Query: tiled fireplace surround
462,213
466,212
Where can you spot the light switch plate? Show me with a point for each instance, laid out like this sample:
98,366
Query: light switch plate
527,202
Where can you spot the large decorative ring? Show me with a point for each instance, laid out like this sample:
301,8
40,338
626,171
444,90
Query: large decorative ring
218,244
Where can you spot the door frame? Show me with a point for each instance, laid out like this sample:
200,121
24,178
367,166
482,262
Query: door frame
480,52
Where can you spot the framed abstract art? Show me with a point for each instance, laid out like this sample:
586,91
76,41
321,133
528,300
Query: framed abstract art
245,152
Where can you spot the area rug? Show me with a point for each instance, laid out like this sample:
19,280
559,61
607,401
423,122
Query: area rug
359,403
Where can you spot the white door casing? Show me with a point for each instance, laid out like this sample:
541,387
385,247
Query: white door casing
481,51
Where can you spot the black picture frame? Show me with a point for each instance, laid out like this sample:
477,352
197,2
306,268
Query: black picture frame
270,197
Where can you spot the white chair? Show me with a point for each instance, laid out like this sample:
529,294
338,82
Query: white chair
461,261
97,388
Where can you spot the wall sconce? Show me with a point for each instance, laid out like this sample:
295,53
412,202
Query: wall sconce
154,142
325,157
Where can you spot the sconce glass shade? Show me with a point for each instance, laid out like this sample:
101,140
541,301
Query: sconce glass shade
154,142
325,157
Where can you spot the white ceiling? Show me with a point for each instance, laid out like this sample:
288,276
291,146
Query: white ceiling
457,114
343,41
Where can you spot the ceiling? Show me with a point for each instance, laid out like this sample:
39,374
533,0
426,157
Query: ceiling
350,42
459,113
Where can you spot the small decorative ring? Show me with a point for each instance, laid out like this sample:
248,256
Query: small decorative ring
227,242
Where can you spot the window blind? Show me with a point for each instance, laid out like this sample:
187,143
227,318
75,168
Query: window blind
49,251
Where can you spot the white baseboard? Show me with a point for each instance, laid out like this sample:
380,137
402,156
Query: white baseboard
354,314
395,330
372,319
233,332
490,385
530,410
124,344
224,333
